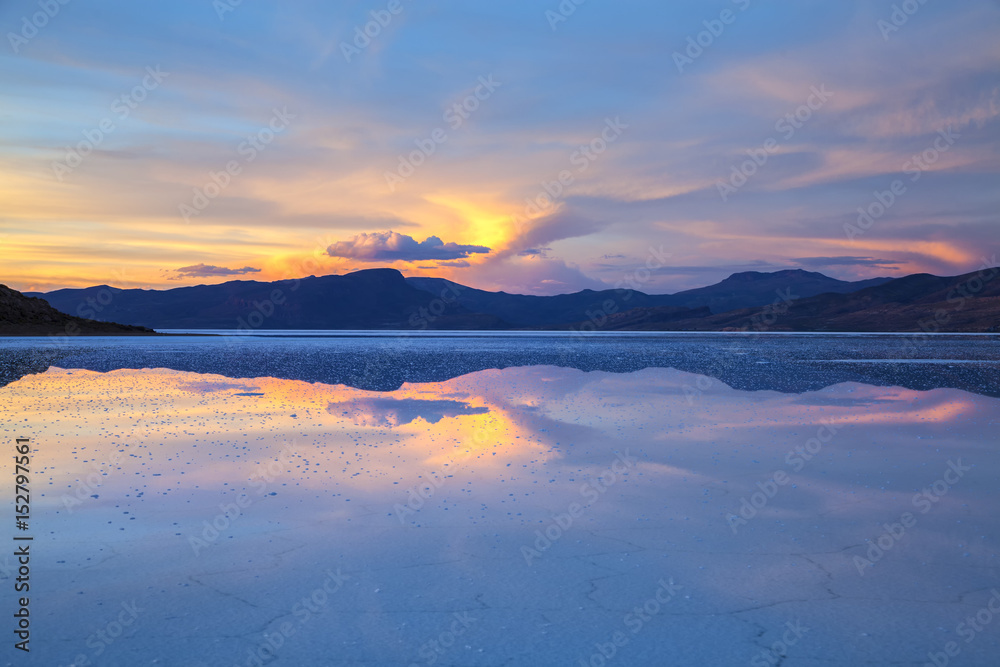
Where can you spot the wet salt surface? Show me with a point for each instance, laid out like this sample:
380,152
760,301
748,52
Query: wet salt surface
785,362
526,515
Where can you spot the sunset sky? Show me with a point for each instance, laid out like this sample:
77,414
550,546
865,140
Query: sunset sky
170,144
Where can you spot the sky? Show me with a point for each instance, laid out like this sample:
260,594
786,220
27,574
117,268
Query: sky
537,147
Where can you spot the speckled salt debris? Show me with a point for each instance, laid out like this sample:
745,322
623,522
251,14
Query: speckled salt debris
530,515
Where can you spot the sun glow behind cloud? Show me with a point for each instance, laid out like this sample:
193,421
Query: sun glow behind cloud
320,180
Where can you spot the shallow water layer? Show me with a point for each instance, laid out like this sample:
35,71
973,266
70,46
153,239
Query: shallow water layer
532,514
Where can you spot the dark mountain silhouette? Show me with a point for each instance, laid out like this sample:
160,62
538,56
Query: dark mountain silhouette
788,363
21,315
371,299
752,288
740,290
922,302
384,299
528,311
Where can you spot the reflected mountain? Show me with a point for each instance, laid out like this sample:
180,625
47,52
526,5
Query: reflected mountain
187,491
785,363
17,362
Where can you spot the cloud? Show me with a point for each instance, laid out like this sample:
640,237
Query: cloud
209,271
390,412
322,180
393,247
847,261
529,275
207,386
535,236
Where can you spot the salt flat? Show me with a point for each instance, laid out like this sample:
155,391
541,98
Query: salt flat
660,502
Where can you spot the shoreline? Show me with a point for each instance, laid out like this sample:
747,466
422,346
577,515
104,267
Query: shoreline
475,333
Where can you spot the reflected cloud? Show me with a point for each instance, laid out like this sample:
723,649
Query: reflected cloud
455,476
205,387
202,432
391,412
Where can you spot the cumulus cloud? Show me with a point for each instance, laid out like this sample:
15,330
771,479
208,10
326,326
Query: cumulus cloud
392,247
390,412
209,271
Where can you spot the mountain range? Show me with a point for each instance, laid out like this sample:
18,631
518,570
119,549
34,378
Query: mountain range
790,300
384,299
918,303
21,315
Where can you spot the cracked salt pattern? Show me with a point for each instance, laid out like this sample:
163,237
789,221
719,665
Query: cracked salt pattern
137,444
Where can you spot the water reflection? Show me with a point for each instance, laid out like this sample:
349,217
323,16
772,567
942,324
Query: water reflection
218,503
398,411
786,363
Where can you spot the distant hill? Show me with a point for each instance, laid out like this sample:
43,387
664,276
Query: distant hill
527,311
21,315
921,302
371,299
752,288
792,300
740,290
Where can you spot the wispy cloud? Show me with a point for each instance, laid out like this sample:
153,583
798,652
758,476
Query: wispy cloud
209,271
315,200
